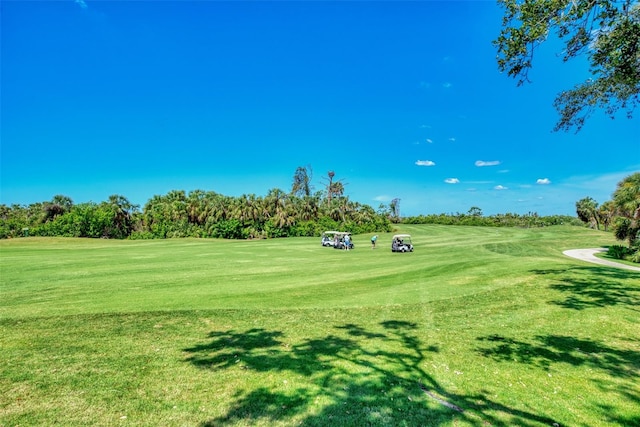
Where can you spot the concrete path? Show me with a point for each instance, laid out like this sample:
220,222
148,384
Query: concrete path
588,255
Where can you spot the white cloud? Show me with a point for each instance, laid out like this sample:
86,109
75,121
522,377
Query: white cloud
500,188
425,126
425,163
452,180
452,139
447,85
81,3
481,163
543,181
429,140
382,198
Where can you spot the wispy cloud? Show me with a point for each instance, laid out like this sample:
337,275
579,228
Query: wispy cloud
382,198
452,139
425,163
425,85
605,183
481,163
500,187
429,140
543,181
81,3
447,85
452,181
425,126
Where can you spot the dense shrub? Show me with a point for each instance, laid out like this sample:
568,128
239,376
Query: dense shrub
499,220
141,235
617,251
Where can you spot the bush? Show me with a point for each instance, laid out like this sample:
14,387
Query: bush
617,251
142,235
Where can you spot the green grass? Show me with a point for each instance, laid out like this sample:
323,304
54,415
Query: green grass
479,326
606,256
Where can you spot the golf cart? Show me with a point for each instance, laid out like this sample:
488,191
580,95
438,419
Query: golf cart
329,238
336,239
401,243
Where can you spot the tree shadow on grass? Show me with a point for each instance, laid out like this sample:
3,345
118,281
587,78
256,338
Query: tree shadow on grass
548,350
352,377
590,287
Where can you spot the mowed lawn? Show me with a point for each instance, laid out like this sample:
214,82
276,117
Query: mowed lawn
479,326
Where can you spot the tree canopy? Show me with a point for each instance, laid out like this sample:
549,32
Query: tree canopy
606,31
622,211
200,214
627,200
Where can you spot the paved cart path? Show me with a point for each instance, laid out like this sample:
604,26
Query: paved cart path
589,256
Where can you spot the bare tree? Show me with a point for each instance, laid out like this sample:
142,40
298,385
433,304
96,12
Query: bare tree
302,181
395,209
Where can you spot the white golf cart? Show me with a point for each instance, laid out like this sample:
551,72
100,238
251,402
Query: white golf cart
336,239
401,243
328,238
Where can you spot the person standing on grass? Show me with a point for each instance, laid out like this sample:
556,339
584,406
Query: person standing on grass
373,241
347,241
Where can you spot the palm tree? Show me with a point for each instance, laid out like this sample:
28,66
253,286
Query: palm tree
284,218
254,207
587,210
122,210
607,212
336,189
195,207
335,211
59,205
307,208
627,201
275,199
363,214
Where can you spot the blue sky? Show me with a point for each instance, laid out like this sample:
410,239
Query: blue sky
401,99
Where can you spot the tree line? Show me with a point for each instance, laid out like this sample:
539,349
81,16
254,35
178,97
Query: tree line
475,217
209,214
299,212
194,214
